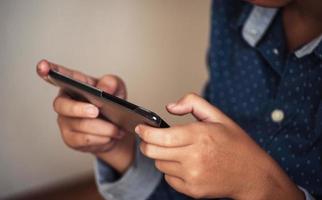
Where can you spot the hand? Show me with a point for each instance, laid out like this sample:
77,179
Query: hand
214,157
81,129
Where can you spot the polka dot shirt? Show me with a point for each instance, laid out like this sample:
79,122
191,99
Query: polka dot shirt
274,95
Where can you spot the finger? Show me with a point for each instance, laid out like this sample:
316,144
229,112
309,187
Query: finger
166,137
112,85
97,149
83,141
43,69
198,107
44,66
66,106
160,153
176,183
78,140
170,168
94,126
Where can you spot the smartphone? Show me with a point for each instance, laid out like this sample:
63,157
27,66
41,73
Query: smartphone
120,112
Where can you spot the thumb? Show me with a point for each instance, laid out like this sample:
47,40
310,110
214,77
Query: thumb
198,107
112,85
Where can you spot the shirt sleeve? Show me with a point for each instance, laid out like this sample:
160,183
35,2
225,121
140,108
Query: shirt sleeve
137,183
308,196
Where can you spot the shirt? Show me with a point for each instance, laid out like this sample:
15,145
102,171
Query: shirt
274,95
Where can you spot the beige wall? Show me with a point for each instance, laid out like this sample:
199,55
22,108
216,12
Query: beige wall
157,47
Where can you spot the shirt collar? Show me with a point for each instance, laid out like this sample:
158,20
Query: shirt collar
318,50
310,47
255,25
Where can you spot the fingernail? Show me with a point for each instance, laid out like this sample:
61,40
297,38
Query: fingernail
171,105
137,129
41,70
91,110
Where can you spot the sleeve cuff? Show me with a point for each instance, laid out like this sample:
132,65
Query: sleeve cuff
137,183
308,196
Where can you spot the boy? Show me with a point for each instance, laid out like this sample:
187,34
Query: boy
258,135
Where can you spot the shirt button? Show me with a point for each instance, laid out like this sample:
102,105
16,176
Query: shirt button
277,115
275,51
253,31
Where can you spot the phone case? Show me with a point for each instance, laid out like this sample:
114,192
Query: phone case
122,113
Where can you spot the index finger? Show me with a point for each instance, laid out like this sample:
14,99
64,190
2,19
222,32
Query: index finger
166,137
44,66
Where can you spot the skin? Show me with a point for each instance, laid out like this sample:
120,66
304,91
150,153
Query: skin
302,22
302,19
80,127
212,157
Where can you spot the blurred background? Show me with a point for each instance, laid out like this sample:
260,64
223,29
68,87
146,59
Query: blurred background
157,47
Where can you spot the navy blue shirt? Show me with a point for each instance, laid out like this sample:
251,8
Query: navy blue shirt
274,95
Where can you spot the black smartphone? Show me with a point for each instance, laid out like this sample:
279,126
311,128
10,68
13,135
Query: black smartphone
122,113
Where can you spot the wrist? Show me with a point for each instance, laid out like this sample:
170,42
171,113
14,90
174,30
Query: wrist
122,155
273,183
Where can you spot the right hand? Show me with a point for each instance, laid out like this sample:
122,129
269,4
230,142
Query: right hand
80,127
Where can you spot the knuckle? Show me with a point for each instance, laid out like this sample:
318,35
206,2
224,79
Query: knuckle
204,139
145,133
56,104
143,148
114,85
196,157
158,165
168,179
217,126
206,133
190,96
207,149
146,149
196,126
83,124
70,145
75,109
64,129
108,80
168,140
193,175
221,134
194,192
68,141
112,78
59,119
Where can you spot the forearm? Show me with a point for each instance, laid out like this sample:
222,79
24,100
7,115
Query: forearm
275,184
122,155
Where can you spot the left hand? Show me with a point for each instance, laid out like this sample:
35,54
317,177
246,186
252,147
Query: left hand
214,157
